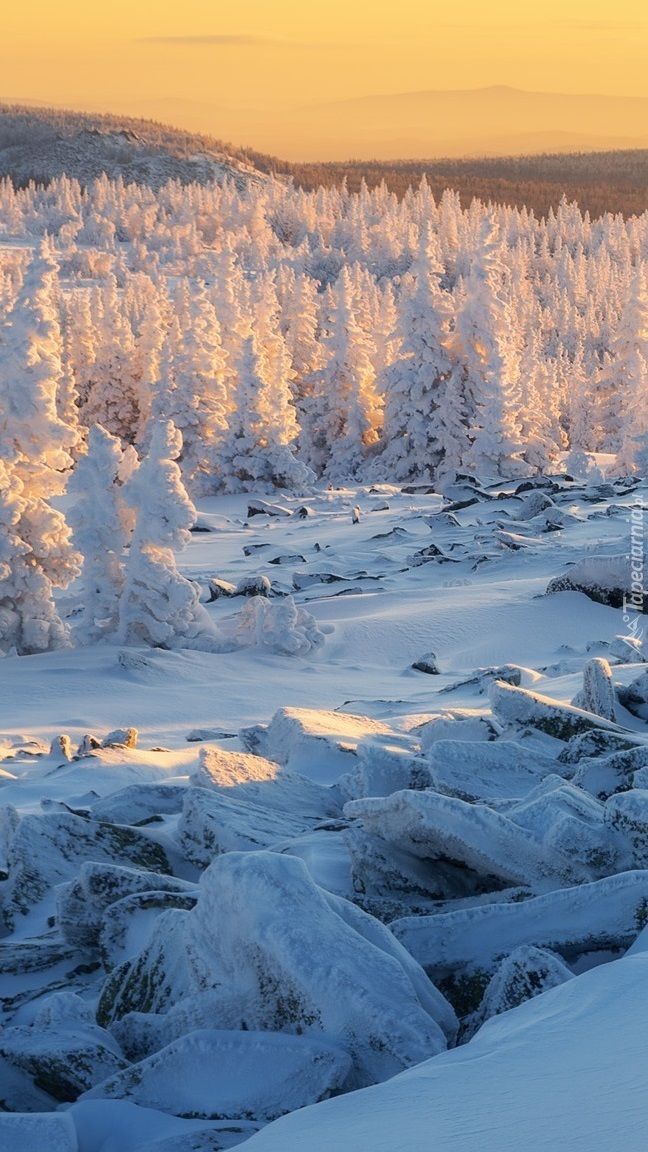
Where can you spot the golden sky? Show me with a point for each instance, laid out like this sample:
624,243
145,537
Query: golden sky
233,68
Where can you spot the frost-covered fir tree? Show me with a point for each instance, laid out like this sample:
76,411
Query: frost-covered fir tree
539,425
159,607
413,385
487,330
629,372
114,398
102,525
193,388
345,413
36,555
257,450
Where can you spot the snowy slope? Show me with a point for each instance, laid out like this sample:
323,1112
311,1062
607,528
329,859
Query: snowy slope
337,858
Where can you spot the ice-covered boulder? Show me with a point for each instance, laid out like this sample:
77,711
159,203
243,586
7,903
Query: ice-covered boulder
526,972
435,827
532,504
121,738
457,724
273,952
392,881
626,813
519,707
597,743
81,903
127,1127
320,745
464,947
605,579
603,776
634,696
482,679
138,804
597,694
65,1053
20,1093
572,823
472,770
382,768
49,849
255,780
242,802
127,922
215,822
232,1075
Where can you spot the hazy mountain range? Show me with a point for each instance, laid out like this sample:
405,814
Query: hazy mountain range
483,121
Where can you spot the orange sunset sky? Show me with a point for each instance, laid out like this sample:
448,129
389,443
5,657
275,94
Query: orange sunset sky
277,74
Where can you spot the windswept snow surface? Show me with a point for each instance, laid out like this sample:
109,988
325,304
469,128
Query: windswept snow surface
440,830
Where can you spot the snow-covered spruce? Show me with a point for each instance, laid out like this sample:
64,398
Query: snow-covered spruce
36,553
159,607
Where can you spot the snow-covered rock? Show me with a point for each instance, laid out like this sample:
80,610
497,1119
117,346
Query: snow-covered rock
138,804
626,813
64,1051
242,802
126,924
49,849
472,770
232,1075
597,693
571,822
606,915
525,973
457,724
435,827
602,776
81,902
321,745
605,579
383,768
271,951
564,1070
519,707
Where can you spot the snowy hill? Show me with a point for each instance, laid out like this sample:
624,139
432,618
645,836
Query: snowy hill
40,144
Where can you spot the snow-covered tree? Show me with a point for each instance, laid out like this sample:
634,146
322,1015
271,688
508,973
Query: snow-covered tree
102,524
114,399
344,414
488,332
629,373
413,385
193,388
257,448
159,607
36,553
